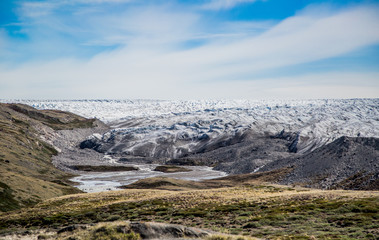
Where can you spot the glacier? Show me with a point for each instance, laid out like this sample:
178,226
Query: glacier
172,129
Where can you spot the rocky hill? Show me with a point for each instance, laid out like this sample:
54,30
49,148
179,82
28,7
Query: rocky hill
348,163
26,137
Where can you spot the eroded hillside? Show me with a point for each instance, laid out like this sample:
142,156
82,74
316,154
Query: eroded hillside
347,163
27,174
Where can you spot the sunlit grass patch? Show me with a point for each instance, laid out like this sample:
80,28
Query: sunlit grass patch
250,211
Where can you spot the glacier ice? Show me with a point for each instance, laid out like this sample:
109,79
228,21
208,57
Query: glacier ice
172,129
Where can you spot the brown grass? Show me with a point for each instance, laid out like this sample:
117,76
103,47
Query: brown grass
27,175
257,210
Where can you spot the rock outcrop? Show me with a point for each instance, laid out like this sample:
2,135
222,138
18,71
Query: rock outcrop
349,163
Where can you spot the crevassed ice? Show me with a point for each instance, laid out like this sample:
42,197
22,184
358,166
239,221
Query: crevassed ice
319,120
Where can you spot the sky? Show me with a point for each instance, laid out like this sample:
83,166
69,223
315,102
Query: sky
181,49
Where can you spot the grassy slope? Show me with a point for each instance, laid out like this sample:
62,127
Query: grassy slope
27,175
249,208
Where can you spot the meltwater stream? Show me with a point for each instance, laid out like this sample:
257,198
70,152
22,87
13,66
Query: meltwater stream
106,181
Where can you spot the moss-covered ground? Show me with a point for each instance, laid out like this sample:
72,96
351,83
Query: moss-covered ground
264,211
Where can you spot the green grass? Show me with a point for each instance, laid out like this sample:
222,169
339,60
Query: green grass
26,171
171,169
107,233
284,214
7,200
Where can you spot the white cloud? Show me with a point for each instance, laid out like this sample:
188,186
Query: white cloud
94,80
327,85
36,9
106,25
224,4
152,65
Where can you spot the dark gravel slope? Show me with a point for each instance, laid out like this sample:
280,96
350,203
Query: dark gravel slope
349,163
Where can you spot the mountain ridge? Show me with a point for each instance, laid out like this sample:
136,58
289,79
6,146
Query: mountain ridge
347,163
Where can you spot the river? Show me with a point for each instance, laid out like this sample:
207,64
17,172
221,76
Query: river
106,181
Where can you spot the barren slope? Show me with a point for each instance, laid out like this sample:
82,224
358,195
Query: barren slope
349,163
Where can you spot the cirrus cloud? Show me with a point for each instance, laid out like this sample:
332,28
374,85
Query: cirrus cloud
165,52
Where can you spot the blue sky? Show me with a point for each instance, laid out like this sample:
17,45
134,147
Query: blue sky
202,49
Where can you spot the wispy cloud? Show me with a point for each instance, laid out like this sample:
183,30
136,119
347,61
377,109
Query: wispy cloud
224,4
155,58
295,40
